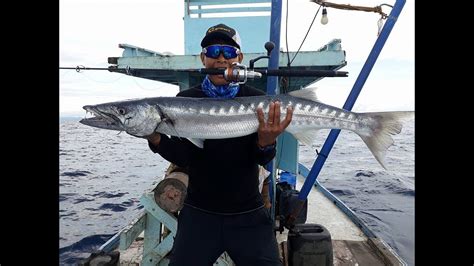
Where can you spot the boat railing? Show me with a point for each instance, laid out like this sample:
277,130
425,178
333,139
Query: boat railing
159,230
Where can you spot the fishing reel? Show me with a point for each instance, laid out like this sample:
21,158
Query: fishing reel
239,72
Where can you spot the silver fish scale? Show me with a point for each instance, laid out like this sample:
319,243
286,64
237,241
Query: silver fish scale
214,118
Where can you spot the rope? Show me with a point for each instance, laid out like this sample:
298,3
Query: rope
376,9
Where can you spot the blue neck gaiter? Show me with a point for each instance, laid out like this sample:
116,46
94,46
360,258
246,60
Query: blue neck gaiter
227,91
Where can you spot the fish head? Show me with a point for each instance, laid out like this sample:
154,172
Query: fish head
136,117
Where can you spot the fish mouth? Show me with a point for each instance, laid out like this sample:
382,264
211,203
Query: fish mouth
101,119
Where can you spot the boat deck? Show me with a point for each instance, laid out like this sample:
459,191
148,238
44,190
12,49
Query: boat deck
350,245
345,252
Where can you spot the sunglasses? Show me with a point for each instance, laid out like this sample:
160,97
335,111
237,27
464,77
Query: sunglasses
213,51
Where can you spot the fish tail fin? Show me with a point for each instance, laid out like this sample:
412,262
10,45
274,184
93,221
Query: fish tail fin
383,126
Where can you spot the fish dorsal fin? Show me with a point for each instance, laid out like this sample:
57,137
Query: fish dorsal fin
308,94
197,142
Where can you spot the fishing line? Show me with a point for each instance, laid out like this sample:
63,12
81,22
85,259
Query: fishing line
284,80
105,82
315,15
286,35
151,89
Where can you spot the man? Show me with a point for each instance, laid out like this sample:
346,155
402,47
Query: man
224,210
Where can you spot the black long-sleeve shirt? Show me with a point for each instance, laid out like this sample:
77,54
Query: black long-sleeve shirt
223,176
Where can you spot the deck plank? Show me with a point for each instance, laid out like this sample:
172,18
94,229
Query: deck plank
323,211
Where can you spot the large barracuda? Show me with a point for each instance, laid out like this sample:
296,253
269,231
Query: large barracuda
198,119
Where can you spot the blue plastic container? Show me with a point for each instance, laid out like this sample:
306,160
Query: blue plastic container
288,177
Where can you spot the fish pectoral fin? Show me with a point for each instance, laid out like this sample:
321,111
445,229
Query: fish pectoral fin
308,94
197,142
307,138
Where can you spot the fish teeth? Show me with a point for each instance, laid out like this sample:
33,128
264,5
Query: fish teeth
89,114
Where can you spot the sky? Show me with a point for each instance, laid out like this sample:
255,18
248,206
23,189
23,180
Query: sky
91,30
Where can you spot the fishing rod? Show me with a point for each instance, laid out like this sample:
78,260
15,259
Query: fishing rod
240,73
235,73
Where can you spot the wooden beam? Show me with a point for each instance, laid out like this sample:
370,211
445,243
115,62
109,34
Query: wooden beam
132,231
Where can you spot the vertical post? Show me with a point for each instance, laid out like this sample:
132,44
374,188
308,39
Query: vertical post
275,26
151,240
359,83
272,81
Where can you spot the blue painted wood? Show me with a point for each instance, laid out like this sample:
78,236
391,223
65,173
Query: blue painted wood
132,50
308,59
229,10
111,244
152,242
286,158
157,253
154,250
253,30
165,246
273,63
253,40
132,231
168,220
164,262
325,59
272,87
220,2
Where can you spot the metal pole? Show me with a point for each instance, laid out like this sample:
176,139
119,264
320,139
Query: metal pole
275,26
359,83
272,81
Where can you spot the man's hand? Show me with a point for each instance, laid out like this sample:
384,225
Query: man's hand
154,138
269,131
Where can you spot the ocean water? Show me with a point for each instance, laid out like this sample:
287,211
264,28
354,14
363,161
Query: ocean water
103,175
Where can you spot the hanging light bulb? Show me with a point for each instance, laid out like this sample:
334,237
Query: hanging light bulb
324,18
379,26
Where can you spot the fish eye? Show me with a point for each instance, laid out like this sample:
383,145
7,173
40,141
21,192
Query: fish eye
121,110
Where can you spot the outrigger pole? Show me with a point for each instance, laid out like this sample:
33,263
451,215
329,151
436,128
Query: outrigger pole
272,84
359,83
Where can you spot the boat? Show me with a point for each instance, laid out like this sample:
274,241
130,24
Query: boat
147,240
324,231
